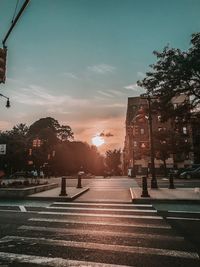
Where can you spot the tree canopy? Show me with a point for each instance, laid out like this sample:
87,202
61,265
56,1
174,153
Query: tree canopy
176,72
54,152
113,161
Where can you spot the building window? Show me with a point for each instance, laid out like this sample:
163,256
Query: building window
134,143
142,131
159,118
175,105
185,130
160,129
136,130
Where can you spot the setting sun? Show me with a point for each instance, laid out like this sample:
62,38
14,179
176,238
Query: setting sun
98,141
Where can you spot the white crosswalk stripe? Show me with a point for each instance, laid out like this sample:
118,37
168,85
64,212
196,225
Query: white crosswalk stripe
116,248
79,234
52,262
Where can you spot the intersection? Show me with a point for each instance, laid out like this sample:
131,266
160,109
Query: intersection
101,228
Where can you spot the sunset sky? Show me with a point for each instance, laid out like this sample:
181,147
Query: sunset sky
78,60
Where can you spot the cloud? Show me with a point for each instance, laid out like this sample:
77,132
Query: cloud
105,94
133,87
39,96
116,92
108,134
70,75
101,69
141,74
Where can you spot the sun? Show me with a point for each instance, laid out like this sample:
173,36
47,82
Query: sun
98,140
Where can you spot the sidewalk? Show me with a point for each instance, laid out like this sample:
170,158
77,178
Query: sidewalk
166,195
54,194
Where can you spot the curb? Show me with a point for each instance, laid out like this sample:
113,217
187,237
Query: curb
59,198
148,200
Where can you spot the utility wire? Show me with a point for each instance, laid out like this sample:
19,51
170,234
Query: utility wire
15,11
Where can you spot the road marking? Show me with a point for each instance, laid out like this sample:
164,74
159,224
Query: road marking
103,204
103,247
182,218
52,262
102,209
18,211
101,233
139,225
23,209
102,215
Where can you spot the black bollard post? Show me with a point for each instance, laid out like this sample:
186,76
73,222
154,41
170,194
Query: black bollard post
171,181
63,187
79,180
144,187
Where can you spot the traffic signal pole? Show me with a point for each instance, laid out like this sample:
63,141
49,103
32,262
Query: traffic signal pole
26,2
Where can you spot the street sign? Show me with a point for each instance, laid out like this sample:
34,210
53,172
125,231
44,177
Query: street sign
2,149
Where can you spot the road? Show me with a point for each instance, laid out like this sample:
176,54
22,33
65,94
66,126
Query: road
179,183
97,233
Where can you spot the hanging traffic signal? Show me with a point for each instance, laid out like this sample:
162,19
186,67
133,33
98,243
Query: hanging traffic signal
3,54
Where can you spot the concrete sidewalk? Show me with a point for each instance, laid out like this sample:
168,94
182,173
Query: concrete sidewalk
166,195
54,194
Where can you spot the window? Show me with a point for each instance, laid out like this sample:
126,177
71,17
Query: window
136,130
159,118
134,143
142,131
185,130
175,105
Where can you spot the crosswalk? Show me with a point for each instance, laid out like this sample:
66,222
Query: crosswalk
96,235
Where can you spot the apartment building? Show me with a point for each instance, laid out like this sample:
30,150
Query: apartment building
136,152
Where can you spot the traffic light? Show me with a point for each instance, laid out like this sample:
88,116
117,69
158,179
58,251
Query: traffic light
3,54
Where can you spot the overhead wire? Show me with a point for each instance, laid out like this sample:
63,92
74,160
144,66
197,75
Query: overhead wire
15,11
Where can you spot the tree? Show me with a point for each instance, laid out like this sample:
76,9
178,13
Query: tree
16,148
50,130
113,160
169,143
176,72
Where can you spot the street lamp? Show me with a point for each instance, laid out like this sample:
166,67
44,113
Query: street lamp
7,102
152,151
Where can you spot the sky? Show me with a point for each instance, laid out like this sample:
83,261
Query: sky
79,60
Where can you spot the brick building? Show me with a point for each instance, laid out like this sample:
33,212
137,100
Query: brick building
136,153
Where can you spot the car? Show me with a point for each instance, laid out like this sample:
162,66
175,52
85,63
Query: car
21,174
176,172
190,173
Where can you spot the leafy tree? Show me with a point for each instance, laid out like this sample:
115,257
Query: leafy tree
49,130
113,161
71,156
176,72
167,143
15,139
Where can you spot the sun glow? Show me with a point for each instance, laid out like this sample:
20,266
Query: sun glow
98,140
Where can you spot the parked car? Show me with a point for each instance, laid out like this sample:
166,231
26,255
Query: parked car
176,172
20,174
190,173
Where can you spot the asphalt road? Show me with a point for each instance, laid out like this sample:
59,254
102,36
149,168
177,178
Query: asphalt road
91,234
179,183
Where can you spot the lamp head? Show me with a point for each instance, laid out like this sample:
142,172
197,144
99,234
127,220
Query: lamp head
8,103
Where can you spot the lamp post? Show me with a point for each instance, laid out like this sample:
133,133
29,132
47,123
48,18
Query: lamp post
7,102
152,151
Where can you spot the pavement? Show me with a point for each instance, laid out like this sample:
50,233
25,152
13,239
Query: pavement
54,194
125,190
166,195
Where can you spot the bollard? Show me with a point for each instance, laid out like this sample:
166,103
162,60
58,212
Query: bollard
171,181
63,187
79,180
144,187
